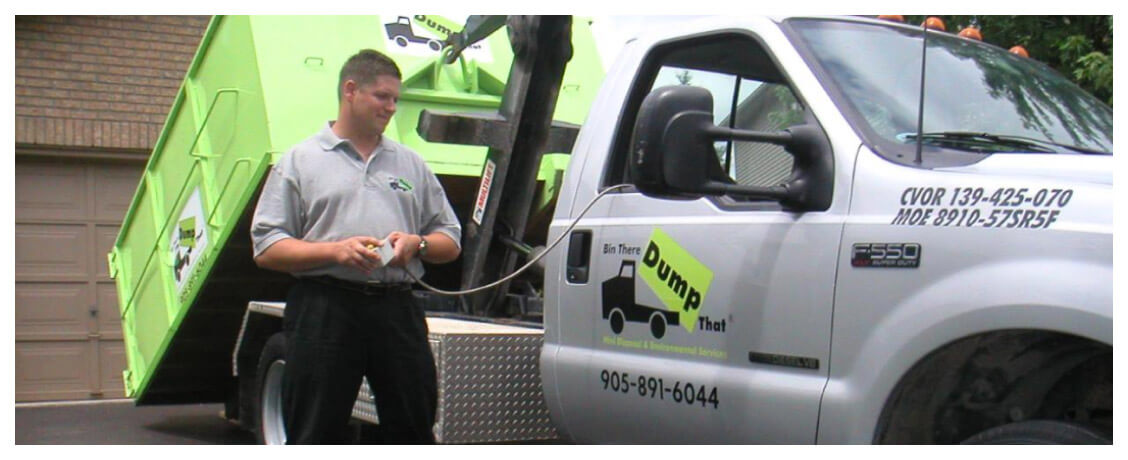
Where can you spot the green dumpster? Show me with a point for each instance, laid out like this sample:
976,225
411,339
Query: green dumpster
259,84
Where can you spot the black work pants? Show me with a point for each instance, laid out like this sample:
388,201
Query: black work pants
336,336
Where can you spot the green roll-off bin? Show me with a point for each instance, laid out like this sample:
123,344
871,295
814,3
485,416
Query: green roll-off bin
182,262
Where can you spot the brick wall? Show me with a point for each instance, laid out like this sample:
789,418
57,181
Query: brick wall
100,81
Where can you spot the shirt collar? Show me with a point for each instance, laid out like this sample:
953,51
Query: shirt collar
330,141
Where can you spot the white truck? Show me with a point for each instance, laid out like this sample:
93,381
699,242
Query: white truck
834,285
783,244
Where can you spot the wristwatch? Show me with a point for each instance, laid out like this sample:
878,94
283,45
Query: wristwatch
422,246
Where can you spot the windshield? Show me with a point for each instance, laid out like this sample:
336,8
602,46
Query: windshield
970,87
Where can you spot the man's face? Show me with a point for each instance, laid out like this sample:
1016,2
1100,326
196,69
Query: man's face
373,104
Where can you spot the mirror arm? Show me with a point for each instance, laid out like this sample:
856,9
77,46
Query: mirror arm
783,138
779,192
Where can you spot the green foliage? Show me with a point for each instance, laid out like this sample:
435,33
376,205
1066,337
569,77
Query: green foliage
1079,47
789,112
684,77
1094,73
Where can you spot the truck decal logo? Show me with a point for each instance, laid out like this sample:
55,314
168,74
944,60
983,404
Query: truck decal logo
422,35
187,241
399,184
401,33
186,237
619,304
678,279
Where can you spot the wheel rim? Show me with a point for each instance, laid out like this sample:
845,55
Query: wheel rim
273,429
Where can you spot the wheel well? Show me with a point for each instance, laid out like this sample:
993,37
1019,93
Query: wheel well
258,330
1000,377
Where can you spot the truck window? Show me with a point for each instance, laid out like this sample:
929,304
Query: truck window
766,107
971,87
748,93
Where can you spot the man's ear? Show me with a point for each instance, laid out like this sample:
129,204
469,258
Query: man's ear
348,90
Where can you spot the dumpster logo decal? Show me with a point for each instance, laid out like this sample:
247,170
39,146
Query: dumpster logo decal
401,33
188,240
399,184
423,35
678,279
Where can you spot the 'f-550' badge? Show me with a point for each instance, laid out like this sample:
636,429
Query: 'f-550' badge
886,255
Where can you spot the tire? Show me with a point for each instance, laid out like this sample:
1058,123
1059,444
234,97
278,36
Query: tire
657,325
401,41
1039,432
435,45
617,319
269,428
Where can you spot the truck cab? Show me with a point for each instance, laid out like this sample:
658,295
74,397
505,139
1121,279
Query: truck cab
834,270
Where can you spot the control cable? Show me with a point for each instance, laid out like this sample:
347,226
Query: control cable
531,262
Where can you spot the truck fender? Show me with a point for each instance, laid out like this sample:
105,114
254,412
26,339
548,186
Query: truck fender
260,321
863,377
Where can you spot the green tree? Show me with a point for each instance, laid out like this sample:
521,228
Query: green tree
1080,47
684,77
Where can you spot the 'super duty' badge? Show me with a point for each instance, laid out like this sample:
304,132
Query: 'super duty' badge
886,255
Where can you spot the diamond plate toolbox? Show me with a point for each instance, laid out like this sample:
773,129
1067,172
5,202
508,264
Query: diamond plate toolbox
489,383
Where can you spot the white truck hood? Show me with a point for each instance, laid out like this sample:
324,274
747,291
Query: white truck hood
1093,169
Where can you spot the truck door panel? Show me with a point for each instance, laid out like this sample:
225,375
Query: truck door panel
566,346
711,318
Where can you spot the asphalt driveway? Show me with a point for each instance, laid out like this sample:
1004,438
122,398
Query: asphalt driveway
120,422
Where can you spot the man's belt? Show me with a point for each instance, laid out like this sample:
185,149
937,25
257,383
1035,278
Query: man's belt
363,288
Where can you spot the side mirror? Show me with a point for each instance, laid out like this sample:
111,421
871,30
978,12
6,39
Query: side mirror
672,153
649,145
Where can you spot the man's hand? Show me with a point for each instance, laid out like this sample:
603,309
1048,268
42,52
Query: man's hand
406,245
293,255
355,253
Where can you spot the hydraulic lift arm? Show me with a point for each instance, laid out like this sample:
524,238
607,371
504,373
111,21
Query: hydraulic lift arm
517,137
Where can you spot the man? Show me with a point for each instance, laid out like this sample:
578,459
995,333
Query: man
327,205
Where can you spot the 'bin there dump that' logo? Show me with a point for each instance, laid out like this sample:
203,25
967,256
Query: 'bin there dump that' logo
679,280
188,240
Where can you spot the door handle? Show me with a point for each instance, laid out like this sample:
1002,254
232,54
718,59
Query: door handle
579,256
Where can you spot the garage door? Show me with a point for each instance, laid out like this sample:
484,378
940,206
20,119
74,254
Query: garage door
68,331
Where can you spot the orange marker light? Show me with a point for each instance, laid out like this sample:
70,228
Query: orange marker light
1019,50
892,17
935,23
972,33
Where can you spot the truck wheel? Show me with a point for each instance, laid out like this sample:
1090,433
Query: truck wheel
401,41
434,45
657,325
617,319
271,365
1039,432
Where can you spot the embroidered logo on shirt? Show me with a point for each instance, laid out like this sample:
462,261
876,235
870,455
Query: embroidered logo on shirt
399,184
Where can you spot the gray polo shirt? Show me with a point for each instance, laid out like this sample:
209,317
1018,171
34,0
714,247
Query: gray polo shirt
321,190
